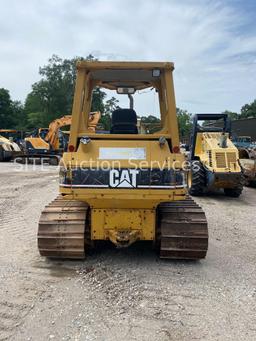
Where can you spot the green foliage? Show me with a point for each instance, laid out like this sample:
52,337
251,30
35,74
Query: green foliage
105,122
35,119
151,123
184,123
97,100
19,116
52,96
109,106
11,112
249,110
6,118
232,115
150,119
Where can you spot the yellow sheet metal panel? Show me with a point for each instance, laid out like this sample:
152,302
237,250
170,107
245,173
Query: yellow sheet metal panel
92,154
92,65
90,74
38,143
77,107
214,157
110,221
117,213
112,198
123,219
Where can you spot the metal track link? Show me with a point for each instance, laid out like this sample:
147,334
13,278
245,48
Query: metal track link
63,229
182,231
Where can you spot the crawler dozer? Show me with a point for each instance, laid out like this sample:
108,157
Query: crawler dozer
123,186
214,158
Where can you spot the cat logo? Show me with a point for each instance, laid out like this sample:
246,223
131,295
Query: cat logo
123,178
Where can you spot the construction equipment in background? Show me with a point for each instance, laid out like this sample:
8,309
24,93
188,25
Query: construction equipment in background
123,186
12,135
247,159
243,142
48,144
215,159
141,127
8,148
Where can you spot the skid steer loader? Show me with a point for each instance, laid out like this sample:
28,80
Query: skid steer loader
123,186
214,158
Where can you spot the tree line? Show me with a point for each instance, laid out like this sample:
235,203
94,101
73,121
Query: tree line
52,97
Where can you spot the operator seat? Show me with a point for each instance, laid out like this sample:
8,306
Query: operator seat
124,121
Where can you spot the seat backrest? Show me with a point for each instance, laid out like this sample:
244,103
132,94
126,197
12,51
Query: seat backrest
124,121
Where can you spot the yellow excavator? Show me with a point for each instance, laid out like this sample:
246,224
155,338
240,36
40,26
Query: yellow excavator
123,186
50,143
46,144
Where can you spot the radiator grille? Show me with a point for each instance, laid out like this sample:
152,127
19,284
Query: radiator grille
210,157
231,159
221,160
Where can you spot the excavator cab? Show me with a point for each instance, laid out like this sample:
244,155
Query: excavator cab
46,144
123,185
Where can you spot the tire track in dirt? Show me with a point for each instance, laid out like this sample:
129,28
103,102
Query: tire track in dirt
125,294
20,284
166,303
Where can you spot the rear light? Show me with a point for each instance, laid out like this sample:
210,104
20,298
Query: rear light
71,148
176,149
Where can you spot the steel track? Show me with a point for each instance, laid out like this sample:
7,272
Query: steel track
182,231
63,229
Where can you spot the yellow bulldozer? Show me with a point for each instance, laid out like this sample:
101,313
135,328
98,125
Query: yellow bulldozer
214,158
123,186
8,148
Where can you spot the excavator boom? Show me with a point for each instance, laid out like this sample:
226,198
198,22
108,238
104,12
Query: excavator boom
50,146
52,136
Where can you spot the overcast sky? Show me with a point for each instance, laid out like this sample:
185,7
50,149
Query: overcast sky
212,43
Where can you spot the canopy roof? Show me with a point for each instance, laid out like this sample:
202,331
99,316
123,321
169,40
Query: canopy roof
119,74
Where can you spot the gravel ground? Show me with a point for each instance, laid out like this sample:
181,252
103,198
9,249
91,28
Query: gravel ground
126,294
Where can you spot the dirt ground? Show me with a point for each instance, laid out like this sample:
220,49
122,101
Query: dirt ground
126,294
